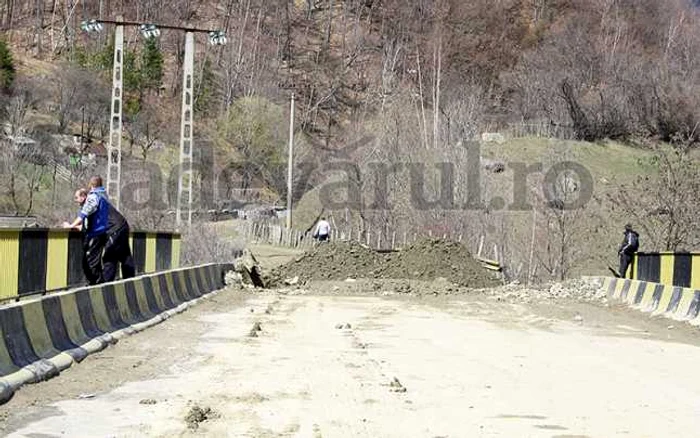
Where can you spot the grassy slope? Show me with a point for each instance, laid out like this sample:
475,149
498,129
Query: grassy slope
610,164
608,160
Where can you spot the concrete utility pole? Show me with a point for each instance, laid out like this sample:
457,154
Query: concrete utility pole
290,165
114,150
184,184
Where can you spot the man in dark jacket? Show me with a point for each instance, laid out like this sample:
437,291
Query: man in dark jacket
107,235
116,248
630,245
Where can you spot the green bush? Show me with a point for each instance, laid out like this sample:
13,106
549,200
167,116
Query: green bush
7,67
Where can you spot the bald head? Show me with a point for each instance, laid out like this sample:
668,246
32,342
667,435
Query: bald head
80,196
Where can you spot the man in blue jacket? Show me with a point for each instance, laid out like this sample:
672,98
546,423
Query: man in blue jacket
107,235
93,219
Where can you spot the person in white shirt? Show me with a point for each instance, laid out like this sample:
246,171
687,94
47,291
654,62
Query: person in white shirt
323,230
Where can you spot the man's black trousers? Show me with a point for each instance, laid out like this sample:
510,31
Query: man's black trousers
625,260
117,251
92,258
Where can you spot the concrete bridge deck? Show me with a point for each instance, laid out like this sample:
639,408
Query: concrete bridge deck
328,364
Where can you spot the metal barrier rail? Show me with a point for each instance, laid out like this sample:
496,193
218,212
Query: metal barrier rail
37,260
668,268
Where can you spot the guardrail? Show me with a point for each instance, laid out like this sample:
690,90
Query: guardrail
675,302
37,260
668,268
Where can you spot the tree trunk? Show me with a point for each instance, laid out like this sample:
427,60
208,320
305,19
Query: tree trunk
436,92
10,14
39,5
422,101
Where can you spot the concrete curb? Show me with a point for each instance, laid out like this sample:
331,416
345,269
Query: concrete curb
673,302
39,338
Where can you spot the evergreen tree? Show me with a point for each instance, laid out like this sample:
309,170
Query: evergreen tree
151,65
7,67
205,87
132,74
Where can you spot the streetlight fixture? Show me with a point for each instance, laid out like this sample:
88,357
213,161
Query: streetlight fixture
217,38
91,26
149,31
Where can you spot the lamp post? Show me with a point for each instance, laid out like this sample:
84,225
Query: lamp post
184,183
150,30
290,165
114,148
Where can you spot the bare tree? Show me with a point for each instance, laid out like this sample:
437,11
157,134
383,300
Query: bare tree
23,164
145,130
663,203
82,98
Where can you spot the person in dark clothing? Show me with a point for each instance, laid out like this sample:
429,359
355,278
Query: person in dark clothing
92,219
630,245
116,248
91,263
107,235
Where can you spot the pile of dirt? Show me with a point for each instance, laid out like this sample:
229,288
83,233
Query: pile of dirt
423,260
329,261
437,258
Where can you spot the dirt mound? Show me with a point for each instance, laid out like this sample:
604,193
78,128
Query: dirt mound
329,261
424,260
431,259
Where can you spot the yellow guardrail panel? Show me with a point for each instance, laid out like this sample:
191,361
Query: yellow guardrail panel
150,252
57,260
9,268
175,253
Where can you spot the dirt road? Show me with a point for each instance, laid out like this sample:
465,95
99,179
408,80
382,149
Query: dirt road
363,366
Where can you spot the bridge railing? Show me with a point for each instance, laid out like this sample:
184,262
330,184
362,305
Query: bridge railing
37,260
675,269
